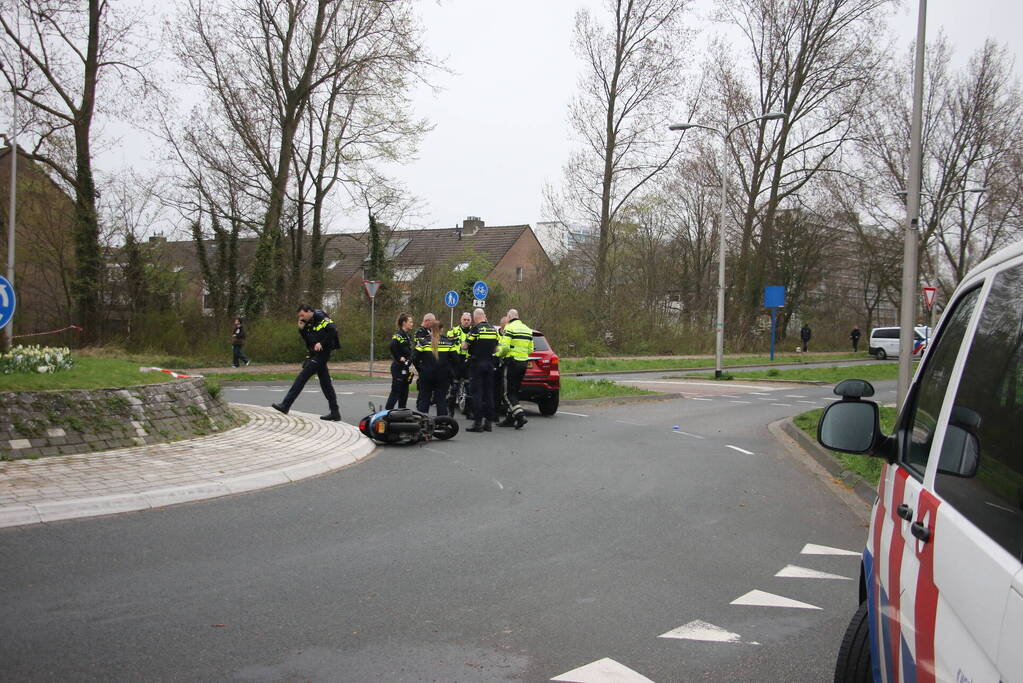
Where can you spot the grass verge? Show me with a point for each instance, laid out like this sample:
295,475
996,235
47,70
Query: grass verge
227,377
867,467
819,374
572,388
591,364
88,373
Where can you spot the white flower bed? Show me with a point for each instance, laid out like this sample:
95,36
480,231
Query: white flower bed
35,359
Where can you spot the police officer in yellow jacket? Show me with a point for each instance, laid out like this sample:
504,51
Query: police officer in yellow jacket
435,354
482,346
516,347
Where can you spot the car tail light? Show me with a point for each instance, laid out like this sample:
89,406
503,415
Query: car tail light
547,363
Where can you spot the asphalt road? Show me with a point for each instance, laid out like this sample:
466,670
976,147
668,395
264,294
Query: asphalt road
512,556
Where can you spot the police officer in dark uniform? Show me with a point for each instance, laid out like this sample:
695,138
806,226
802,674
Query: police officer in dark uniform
435,356
401,363
320,336
482,345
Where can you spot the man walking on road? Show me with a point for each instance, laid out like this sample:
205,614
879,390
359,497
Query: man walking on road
855,337
320,336
516,347
237,342
804,334
481,345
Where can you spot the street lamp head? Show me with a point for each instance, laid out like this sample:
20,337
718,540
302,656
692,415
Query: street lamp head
770,116
682,126
978,190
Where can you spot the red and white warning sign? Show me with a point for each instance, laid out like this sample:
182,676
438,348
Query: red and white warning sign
929,294
371,287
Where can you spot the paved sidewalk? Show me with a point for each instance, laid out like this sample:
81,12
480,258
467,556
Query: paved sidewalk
271,449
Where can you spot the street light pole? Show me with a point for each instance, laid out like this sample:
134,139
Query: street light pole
907,312
719,340
12,210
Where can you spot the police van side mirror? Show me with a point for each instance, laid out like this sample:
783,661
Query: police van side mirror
850,426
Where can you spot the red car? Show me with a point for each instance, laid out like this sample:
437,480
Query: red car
542,383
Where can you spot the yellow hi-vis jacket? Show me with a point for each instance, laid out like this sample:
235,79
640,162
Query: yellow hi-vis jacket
517,342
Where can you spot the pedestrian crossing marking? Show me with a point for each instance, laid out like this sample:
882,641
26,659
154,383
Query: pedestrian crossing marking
813,549
758,598
791,571
705,632
602,671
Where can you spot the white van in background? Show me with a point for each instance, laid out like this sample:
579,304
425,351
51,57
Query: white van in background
884,342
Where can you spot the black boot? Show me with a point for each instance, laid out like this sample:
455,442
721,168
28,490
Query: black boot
506,422
279,408
476,427
486,426
332,416
520,421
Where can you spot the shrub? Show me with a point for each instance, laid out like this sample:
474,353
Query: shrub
38,359
213,388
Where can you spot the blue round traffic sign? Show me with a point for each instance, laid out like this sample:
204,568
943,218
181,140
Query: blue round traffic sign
8,302
480,290
451,299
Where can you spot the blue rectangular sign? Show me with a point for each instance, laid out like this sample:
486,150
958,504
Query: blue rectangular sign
774,296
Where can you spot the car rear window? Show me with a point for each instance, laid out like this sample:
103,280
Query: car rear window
540,343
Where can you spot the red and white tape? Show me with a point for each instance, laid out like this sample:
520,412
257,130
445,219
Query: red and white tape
175,375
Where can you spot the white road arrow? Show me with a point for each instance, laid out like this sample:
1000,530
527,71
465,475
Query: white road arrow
703,631
603,671
811,549
791,571
764,599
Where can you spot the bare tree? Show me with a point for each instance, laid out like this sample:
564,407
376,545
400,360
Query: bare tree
68,61
628,93
260,63
814,60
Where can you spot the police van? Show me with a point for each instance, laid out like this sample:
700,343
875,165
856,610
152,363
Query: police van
941,580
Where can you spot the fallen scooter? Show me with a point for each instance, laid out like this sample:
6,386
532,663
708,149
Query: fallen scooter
406,426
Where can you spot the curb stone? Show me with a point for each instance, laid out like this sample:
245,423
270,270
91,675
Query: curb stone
863,490
613,400
352,448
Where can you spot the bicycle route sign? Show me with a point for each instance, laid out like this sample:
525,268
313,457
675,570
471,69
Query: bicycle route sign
8,301
480,290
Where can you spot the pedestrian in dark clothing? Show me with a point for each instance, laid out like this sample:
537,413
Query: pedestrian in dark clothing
319,334
804,334
401,363
855,337
435,357
237,342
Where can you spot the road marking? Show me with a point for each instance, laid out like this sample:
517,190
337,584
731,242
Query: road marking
746,402
758,598
679,431
627,422
499,484
832,398
765,399
759,393
813,403
377,396
281,390
237,388
794,396
565,412
694,398
345,393
787,405
703,631
813,549
729,396
602,671
791,571
741,450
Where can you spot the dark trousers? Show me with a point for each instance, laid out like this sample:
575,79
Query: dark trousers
514,371
237,357
856,343
806,343
317,365
433,388
481,385
399,386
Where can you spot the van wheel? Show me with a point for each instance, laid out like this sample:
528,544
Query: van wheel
853,665
881,355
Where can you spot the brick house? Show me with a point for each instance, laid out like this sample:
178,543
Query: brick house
513,250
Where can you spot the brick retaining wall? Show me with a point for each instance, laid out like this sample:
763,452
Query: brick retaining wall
41,423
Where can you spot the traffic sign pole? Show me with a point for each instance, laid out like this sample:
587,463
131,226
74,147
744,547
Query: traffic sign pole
371,289
12,208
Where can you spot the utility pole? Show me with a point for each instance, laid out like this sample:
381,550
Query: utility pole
12,210
907,312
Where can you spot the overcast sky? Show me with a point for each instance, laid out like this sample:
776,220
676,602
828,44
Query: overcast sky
501,121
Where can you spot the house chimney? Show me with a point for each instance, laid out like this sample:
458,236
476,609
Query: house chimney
158,238
472,225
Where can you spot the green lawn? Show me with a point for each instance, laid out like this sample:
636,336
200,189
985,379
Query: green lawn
867,467
572,388
832,375
590,364
88,373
